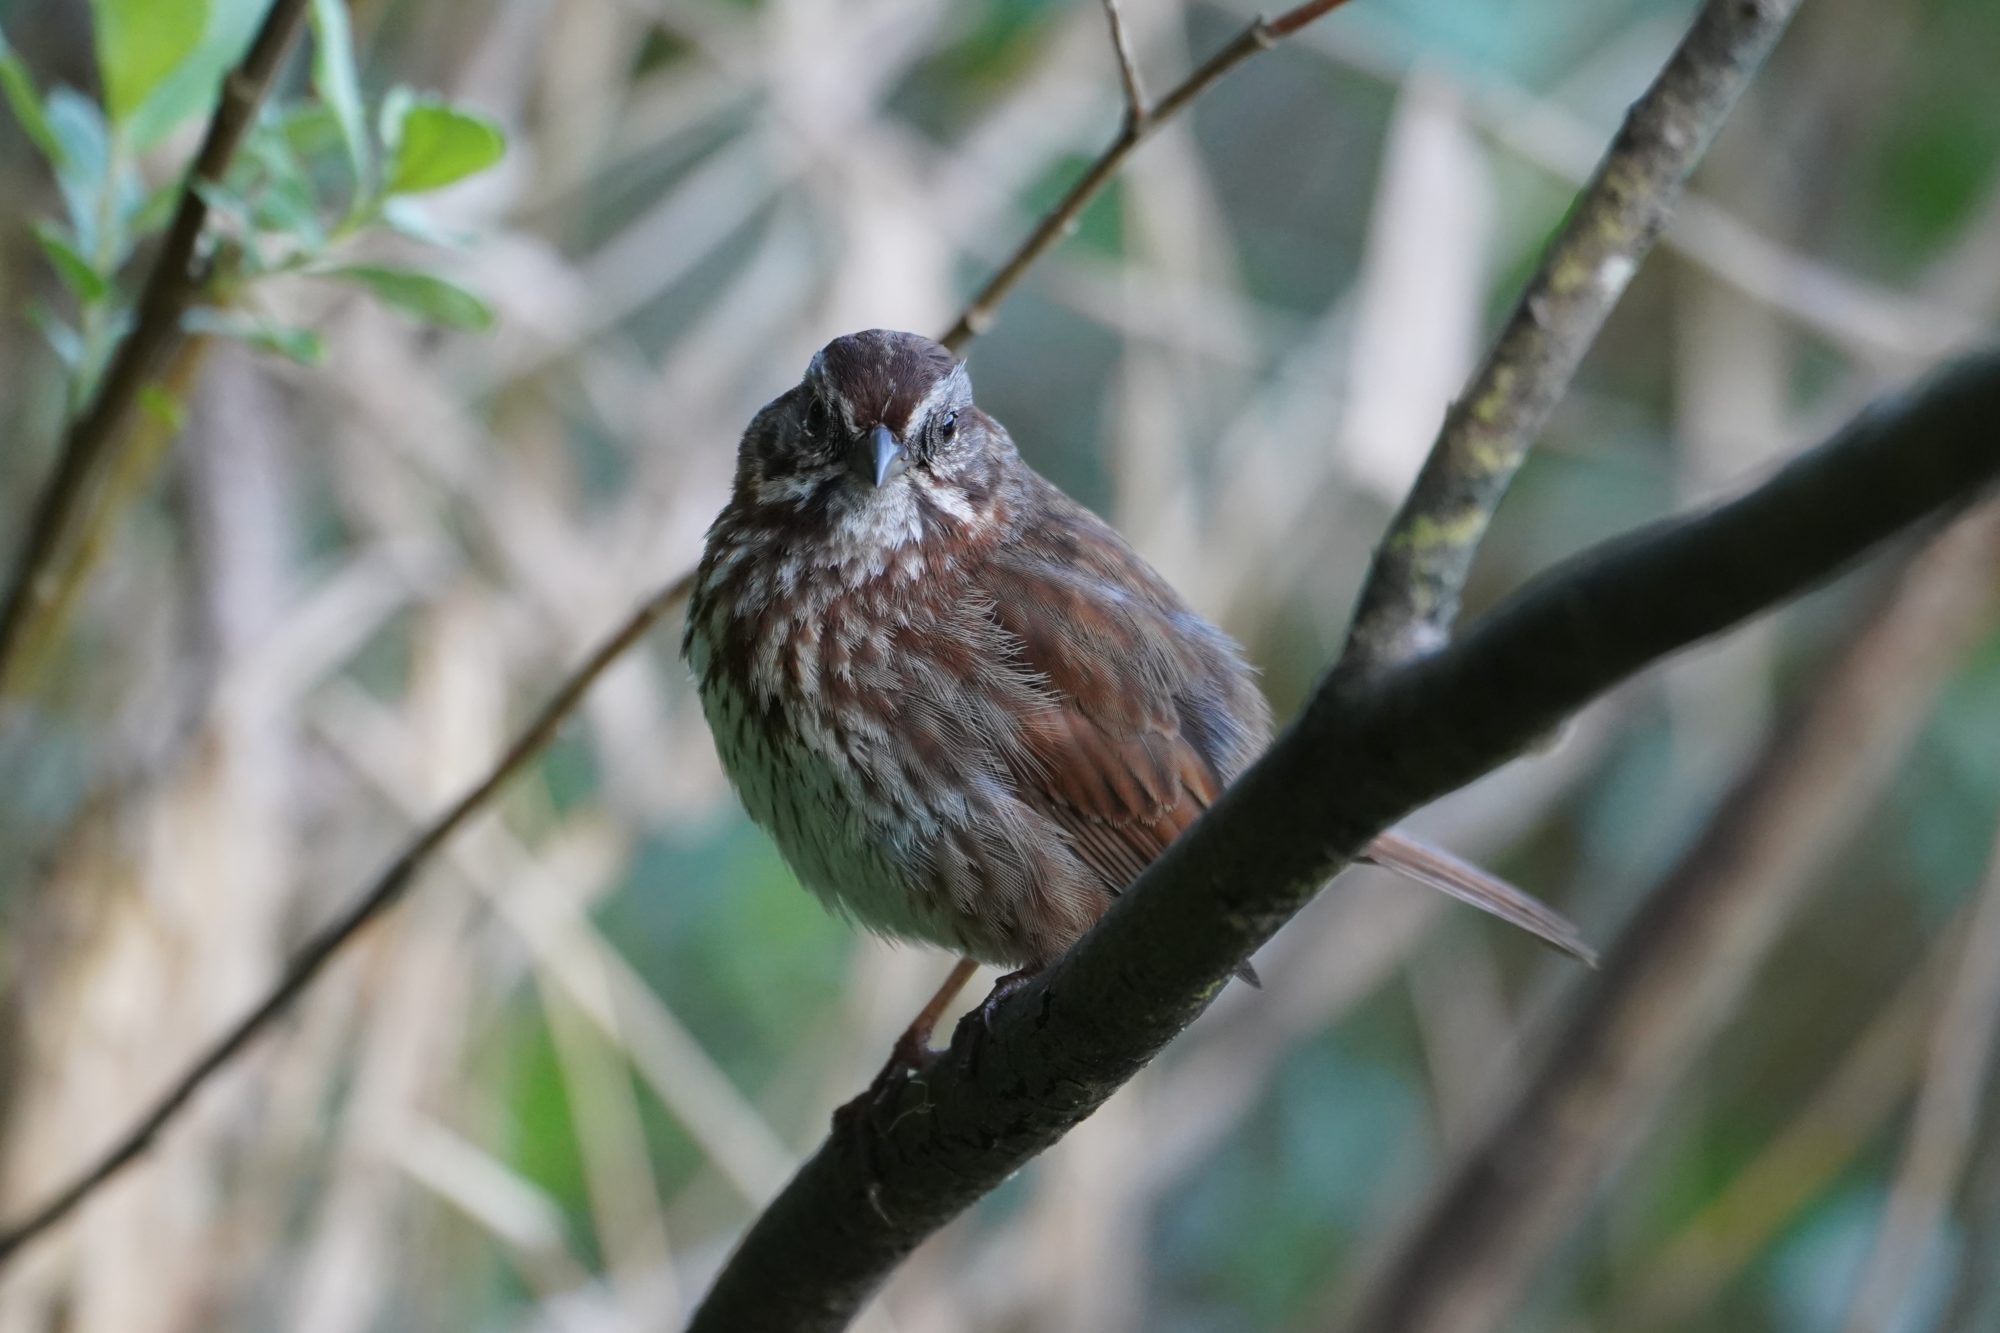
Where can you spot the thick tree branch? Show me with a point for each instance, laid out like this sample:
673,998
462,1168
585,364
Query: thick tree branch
1141,121
1410,598
1364,754
171,287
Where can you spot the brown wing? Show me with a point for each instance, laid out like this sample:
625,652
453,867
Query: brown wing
1151,709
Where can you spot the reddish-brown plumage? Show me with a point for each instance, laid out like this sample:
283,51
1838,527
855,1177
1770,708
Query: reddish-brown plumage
965,709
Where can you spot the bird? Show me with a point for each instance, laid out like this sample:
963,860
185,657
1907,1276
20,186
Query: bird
965,709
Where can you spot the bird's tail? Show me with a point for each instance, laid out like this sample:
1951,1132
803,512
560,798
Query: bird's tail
1469,884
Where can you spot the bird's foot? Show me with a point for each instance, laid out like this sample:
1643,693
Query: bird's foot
860,1123
912,1054
909,1058
1003,989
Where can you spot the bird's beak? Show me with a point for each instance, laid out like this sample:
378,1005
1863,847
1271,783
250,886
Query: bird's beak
878,457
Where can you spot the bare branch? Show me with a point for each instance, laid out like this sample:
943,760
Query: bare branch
1411,595
1363,755
1140,124
330,939
1128,66
33,589
1675,972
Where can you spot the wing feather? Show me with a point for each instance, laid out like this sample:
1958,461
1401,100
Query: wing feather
1149,712
1146,721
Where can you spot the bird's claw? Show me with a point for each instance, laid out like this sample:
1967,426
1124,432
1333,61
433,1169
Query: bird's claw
910,1057
857,1121
1003,990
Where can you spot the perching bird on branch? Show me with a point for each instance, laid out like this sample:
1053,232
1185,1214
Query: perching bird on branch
963,706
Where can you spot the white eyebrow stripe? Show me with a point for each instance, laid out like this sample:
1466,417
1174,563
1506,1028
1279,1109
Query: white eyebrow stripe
941,391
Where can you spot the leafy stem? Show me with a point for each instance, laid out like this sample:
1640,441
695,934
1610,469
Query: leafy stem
251,193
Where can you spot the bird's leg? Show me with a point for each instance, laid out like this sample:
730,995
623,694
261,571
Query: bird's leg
912,1051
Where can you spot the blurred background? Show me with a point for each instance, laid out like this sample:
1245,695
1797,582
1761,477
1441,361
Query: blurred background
551,1090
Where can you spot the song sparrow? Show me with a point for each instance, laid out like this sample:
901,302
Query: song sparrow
965,709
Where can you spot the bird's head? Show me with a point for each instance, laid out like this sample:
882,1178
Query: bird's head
879,439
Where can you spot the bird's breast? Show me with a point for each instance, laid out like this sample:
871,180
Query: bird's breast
801,668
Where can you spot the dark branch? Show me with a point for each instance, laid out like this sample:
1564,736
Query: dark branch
170,289
1411,595
1139,125
311,959
1362,756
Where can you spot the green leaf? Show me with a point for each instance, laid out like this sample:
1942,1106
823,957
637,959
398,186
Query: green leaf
310,128
407,217
285,203
141,42
85,161
77,272
389,120
191,86
337,83
300,345
424,295
19,89
436,144
66,341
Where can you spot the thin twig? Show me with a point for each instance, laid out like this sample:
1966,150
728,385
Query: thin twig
327,942
1946,1123
1676,970
1359,759
1410,598
1141,121
1128,65
171,287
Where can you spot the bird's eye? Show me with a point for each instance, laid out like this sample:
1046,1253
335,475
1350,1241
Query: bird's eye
948,426
815,415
